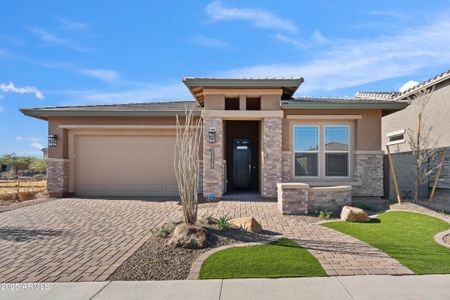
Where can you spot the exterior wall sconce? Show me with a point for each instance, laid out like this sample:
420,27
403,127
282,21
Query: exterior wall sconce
52,140
212,135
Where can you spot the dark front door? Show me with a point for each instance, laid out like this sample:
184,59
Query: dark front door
242,164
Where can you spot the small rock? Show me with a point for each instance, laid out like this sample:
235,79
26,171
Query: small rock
247,223
354,214
188,236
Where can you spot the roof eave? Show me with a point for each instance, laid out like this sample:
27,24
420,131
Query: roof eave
43,114
289,85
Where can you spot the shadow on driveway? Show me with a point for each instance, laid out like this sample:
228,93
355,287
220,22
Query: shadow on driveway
22,235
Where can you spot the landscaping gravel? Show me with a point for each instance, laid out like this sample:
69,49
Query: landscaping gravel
154,260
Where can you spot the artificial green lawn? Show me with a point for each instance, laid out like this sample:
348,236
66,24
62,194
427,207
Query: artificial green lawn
282,258
405,236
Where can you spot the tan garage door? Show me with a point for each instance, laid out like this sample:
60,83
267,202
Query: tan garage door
115,165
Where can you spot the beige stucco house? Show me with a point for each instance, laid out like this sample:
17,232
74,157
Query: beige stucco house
256,135
395,133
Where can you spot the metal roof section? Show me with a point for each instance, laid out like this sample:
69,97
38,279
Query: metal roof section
130,109
342,103
197,84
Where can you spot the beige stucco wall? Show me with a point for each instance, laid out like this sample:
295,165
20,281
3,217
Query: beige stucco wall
436,115
215,102
366,129
215,97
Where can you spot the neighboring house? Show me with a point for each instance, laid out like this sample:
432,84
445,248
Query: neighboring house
397,125
255,136
44,153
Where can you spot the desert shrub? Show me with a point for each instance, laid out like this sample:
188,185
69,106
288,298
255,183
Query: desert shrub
28,195
7,196
325,214
223,223
160,232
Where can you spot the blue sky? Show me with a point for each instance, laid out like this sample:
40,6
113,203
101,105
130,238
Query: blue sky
96,52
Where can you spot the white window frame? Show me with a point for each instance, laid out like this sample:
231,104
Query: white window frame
317,152
392,134
325,151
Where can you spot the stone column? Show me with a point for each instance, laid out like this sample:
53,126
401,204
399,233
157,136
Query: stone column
213,167
368,173
287,166
57,177
272,156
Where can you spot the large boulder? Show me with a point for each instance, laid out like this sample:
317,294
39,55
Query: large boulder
354,214
247,223
188,236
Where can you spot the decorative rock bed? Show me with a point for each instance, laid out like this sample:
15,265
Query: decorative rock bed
299,198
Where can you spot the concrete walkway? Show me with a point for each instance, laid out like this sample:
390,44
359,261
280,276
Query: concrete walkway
346,288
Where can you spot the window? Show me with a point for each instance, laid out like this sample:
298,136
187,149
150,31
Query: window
306,150
253,104
231,103
396,137
336,151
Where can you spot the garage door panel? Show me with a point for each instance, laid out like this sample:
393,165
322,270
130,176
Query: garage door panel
116,165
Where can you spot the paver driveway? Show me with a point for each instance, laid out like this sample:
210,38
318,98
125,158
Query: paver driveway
87,239
75,239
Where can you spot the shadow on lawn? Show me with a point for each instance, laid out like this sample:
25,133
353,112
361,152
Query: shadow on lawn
22,235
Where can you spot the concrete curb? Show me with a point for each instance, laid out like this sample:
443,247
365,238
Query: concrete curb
439,238
197,265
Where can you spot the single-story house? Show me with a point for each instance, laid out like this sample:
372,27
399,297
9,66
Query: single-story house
256,135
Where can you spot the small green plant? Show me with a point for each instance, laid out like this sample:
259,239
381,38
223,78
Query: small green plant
223,223
160,232
325,214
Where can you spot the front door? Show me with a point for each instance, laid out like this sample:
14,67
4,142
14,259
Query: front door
242,164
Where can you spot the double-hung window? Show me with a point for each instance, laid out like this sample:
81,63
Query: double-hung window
306,150
336,151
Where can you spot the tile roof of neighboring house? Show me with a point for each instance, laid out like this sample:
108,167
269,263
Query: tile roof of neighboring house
376,95
425,84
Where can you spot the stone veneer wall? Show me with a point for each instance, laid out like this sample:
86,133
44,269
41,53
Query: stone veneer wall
57,177
286,166
368,173
328,198
293,198
272,157
213,177
300,198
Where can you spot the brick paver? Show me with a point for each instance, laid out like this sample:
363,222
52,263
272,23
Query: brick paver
87,239
338,253
76,239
